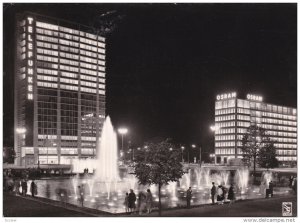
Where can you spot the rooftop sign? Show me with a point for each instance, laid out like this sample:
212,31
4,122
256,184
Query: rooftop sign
226,96
254,97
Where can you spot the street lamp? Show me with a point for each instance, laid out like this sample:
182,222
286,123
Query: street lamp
182,148
122,131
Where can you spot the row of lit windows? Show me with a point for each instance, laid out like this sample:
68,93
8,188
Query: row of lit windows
280,116
90,60
69,43
48,52
68,30
68,74
225,131
224,118
285,146
47,150
46,78
68,68
279,122
226,124
69,87
243,124
92,54
69,55
243,111
225,144
225,137
243,117
47,38
47,45
286,152
47,58
69,81
280,128
241,130
46,25
92,72
225,151
225,111
279,109
69,62
287,140
225,104
69,49
45,84
46,32
286,134
243,103
68,151
287,158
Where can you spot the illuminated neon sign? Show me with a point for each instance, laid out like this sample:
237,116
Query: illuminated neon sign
226,96
254,97
30,64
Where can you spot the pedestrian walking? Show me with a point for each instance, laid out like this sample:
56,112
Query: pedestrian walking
126,203
294,185
149,200
188,197
33,188
24,187
231,194
291,179
220,195
81,195
213,192
141,203
131,201
271,188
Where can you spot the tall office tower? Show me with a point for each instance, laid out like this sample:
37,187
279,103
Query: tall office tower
59,90
233,116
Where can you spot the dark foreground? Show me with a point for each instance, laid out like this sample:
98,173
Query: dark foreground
16,206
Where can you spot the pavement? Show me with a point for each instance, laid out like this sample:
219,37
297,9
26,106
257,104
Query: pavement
18,206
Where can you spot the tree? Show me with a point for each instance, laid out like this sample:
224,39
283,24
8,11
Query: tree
159,162
253,140
9,155
267,156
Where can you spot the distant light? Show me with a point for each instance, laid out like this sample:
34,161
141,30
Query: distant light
20,130
215,128
171,149
193,145
182,147
146,147
122,131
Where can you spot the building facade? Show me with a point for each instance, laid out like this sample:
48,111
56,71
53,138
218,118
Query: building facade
59,90
234,115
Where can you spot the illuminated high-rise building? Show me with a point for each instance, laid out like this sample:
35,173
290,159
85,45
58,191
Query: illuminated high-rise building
59,90
233,116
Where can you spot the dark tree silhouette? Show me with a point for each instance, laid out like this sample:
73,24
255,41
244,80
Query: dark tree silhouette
158,163
267,156
253,140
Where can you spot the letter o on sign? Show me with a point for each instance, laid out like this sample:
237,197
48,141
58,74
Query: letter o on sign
218,97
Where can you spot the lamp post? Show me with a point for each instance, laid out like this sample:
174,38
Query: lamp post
182,148
20,134
215,129
123,131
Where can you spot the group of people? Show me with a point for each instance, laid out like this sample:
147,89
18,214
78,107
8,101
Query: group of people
20,187
221,193
144,202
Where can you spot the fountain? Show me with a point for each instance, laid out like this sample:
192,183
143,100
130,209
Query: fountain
242,179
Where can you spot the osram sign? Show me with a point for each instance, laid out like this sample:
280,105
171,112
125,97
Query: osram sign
226,96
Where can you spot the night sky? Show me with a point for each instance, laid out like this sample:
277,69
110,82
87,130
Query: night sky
167,62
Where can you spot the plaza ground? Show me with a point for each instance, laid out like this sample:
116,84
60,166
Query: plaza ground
16,206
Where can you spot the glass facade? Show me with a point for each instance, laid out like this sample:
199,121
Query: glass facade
234,116
63,76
